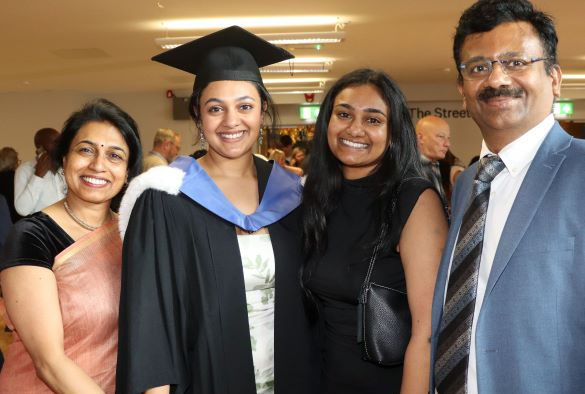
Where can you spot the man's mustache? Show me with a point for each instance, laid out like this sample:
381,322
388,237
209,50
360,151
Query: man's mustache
490,92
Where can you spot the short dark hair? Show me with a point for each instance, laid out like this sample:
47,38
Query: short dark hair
323,185
268,106
102,110
285,140
485,15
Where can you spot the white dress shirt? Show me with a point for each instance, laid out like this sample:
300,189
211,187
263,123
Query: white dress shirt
517,157
33,193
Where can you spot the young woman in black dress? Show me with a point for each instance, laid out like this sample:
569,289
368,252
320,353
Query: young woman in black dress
364,147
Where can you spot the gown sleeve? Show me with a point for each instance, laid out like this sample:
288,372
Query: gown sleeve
154,324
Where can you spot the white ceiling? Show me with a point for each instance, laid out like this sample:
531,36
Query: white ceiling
105,45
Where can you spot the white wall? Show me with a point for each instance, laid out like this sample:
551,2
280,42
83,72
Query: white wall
22,114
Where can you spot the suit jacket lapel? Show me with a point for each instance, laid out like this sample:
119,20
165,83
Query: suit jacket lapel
538,180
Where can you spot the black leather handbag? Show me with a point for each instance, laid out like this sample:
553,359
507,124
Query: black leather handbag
384,321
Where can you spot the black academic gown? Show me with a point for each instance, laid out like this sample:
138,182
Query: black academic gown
183,316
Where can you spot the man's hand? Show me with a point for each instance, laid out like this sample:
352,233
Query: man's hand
43,164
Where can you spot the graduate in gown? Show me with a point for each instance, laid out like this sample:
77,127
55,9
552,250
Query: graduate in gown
210,299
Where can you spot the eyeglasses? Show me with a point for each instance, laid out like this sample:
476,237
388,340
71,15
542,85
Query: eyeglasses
480,69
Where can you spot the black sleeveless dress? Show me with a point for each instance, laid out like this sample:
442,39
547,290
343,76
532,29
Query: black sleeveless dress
335,281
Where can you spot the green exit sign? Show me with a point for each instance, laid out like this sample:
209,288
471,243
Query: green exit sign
308,112
563,108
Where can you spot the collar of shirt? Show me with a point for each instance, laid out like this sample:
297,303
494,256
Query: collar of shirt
426,160
153,152
519,153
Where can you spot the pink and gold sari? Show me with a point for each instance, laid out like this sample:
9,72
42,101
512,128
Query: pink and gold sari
88,281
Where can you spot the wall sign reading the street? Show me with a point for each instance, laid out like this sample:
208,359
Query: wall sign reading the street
441,112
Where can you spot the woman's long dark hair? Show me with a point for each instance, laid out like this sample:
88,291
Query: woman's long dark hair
323,185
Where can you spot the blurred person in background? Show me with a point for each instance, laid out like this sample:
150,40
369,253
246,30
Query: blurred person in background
39,183
451,167
166,147
279,157
286,145
299,153
433,138
5,222
9,161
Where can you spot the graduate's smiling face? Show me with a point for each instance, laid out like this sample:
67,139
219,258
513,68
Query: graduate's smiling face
231,115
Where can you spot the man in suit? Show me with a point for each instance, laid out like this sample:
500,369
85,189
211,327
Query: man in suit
433,137
165,148
509,304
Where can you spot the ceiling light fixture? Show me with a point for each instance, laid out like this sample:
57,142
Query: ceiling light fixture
294,70
573,86
573,76
326,37
250,22
315,91
300,65
302,87
270,81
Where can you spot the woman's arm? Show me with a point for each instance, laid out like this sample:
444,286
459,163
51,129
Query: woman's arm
454,173
32,303
421,246
295,170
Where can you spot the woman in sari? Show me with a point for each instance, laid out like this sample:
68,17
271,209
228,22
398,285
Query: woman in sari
60,272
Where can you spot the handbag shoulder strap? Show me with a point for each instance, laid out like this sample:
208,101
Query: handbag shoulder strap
378,244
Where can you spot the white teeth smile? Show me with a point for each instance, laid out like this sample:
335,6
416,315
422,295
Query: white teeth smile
94,181
352,144
232,136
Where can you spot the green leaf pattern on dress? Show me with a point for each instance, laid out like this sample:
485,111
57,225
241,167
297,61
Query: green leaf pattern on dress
259,277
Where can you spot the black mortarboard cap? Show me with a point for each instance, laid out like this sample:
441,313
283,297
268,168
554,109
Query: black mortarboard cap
231,54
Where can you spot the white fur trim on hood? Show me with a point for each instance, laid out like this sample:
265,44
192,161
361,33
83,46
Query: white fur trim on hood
163,178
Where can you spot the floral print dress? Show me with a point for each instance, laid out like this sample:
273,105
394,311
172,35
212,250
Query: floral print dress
258,264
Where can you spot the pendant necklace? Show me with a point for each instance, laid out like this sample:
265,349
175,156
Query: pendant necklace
78,220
